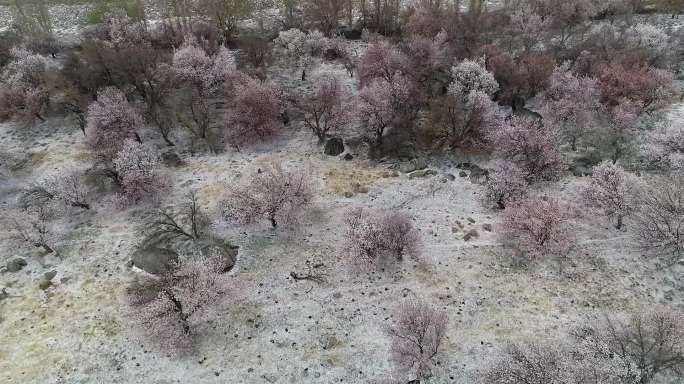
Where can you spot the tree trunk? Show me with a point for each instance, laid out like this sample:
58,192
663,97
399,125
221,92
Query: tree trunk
45,247
81,205
168,142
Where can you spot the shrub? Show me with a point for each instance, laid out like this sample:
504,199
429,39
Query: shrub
381,61
387,104
539,227
468,76
203,77
611,190
189,221
571,104
416,339
34,226
23,88
379,241
67,186
519,78
110,122
273,193
466,123
254,110
169,311
327,110
531,146
506,184
557,362
636,82
137,167
660,215
651,342
621,128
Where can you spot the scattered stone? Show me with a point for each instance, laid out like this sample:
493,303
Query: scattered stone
16,265
348,194
450,177
422,173
44,284
419,163
471,220
406,167
154,260
470,235
348,157
334,146
413,165
487,227
328,341
49,275
455,229
462,174
465,166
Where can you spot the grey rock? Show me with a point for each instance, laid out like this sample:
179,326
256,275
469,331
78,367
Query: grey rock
420,163
450,177
413,165
16,265
226,253
348,157
154,260
580,171
334,146
407,167
471,235
49,275
44,284
487,227
471,220
422,173
462,174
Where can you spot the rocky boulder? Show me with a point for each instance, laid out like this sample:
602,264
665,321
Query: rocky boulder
334,146
16,265
154,260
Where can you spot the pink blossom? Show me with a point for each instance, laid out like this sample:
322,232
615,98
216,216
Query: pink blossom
254,110
110,121
381,61
533,147
137,167
539,227
571,103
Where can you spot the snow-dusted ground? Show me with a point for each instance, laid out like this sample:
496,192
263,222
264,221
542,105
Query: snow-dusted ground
279,330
